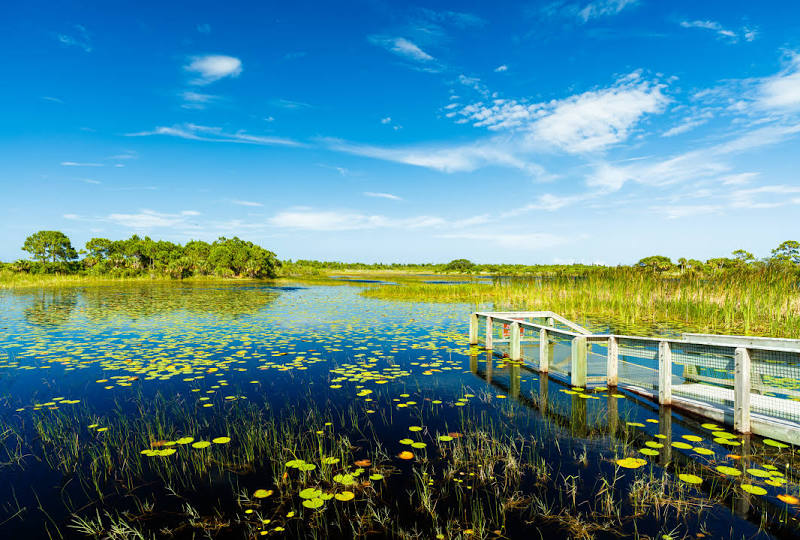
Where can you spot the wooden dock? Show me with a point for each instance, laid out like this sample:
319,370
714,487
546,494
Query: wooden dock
751,383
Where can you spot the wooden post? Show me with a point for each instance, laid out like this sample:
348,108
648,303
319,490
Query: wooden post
515,347
578,375
550,322
664,373
544,351
612,363
489,330
741,391
473,329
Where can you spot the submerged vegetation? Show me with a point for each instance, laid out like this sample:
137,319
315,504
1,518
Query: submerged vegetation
244,410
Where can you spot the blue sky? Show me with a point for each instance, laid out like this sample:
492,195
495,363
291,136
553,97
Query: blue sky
587,131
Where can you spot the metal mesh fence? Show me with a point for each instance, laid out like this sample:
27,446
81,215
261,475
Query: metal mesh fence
560,353
703,372
638,362
775,384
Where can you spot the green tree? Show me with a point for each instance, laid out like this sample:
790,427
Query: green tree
787,253
656,263
459,265
743,256
50,246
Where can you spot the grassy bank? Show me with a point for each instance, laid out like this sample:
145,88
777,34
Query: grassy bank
754,303
18,280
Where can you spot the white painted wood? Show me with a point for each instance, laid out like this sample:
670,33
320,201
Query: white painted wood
488,342
578,368
473,329
741,391
664,373
742,341
612,363
544,351
515,349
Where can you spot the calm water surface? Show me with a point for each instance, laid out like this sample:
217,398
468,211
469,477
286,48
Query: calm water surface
107,391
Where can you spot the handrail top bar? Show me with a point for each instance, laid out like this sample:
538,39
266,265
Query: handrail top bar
509,317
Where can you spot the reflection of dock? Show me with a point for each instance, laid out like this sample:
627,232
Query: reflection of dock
575,419
749,382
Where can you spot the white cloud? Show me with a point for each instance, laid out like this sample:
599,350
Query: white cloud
71,216
52,99
190,213
387,120
683,211
213,67
501,69
600,8
196,100
383,195
587,122
246,203
522,241
147,219
77,164
78,39
738,179
304,218
214,134
402,47
449,159
782,90
90,181
687,124
765,197
749,34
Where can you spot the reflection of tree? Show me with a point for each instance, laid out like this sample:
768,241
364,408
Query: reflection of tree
143,300
50,307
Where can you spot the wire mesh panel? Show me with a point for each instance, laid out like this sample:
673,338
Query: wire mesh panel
638,362
775,384
529,347
597,361
482,330
560,353
703,372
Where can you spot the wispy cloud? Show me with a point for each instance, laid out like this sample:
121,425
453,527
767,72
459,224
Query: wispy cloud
401,47
684,211
79,38
500,69
771,196
196,100
213,67
304,218
290,104
204,28
517,241
383,195
52,99
215,134
78,164
587,122
748,34
586,12
688,124
246,203
449,159
782,90
150,219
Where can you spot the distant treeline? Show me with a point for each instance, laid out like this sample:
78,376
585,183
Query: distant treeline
52,253
785,257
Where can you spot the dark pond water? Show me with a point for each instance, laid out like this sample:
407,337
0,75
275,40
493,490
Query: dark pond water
190,411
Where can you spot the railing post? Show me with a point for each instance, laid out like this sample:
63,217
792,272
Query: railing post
578,375
741,391
550,322
473,329
612,363
664,373
489,330
544,351
515,347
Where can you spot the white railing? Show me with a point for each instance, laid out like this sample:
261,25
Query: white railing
751,383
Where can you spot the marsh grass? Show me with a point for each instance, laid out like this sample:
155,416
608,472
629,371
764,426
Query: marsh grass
634,301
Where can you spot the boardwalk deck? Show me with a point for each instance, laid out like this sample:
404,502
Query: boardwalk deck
749,382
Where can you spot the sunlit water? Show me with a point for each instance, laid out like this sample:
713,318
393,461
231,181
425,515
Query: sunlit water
193,362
